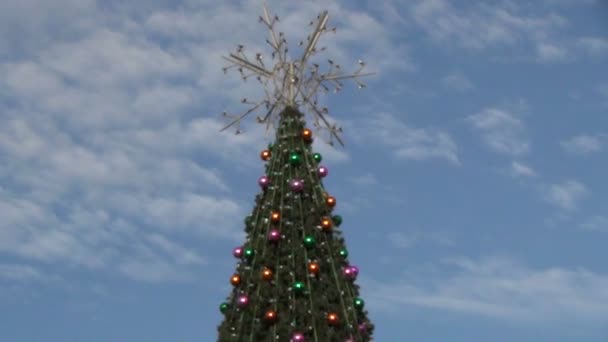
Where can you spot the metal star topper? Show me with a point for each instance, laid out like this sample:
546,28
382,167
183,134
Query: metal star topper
291,83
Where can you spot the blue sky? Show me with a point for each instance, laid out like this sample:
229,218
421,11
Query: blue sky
472,184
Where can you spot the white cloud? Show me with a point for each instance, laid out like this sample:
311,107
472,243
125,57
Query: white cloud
582,144
367,179
24,273
482,26
519,169
566,195
594,46
597,223
501,131
498,288
457,81
547,52
408,142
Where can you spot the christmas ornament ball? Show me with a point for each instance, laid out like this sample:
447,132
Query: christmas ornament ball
343,252
265,155
337,219
332,318
243,301
266,274
223,307
298,287
296,185
307,135
317,157
235,280
313,268
326,223
270,316
330,201
237,252
309,241
274,235
264,181
294,159
359,303
322,171
248,253
297,337
275,217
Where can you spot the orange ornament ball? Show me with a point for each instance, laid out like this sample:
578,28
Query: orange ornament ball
326,223
270,316
265,155
332,318
307,135
330,201
313,268
267,274
235,280
275,216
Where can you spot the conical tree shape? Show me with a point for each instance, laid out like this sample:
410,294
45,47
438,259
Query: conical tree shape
293,281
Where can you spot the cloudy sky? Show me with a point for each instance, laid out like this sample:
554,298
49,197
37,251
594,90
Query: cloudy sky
472,184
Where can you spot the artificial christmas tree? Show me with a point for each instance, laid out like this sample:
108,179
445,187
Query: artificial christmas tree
293,280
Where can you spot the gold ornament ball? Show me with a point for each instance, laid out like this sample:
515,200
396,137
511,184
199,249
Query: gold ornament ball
275,216
270,316
326,223
235,280
313,268
332,318
330,201
307,135
265,155
266,274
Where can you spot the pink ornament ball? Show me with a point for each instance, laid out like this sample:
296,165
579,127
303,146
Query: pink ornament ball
264,181
296,185
322,171
297,337
274,235
237,252
351,272
242,301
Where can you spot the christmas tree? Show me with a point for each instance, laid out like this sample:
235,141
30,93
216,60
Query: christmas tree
293,281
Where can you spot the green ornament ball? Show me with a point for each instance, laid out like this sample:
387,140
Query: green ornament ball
270,146
337,220
223,307
309,241
343,253
249,253
359,303
298,287
317,157
294,159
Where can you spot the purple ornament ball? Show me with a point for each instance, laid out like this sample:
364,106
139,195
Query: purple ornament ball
322,171
264,181
296,185
242,301
237,252
297,337
354,270
274,235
